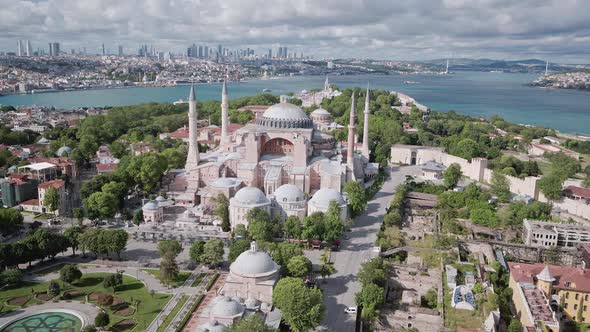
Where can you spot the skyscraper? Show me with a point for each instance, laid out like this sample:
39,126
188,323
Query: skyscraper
103,53
285,52
53,49
206,52
29,49
270,53
120,50
200,51
280,52
219,50
19,47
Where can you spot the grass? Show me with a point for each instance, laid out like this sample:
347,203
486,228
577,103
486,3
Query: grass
172,314
455,318
198,279
131,291
180,279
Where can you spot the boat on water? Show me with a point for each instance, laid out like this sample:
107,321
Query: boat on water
411,82
266,90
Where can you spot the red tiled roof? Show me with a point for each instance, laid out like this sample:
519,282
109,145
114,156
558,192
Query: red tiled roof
106,167
18,176
577,191
34,202
578,277
52,184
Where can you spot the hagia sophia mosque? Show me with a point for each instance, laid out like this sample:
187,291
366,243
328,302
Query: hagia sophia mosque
283,163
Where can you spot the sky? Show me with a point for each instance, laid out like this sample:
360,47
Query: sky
556,30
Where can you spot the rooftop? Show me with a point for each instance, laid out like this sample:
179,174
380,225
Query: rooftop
52,184
577,191
566,277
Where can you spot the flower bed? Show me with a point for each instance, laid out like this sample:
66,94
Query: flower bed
124,311
124,325
18,301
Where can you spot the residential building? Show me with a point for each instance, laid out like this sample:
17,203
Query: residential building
60,186
577,193
17,189
551,234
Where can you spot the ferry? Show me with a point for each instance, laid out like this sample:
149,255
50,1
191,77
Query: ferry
266,90
411,82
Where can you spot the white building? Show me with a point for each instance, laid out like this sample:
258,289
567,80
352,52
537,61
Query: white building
551,234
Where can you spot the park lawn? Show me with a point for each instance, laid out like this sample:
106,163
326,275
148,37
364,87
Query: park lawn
131,290
180,279
172,314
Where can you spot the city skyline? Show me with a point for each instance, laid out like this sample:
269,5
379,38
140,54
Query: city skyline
557,30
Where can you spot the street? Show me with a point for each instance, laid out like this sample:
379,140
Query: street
341,287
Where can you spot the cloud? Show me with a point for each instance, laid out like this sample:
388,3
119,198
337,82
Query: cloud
556,29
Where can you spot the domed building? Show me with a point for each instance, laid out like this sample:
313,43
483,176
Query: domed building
64,151
152,212
288,200
211,327
226,310
243,201
320,202
321,118
252,276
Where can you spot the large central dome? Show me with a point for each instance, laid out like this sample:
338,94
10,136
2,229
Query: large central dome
285,115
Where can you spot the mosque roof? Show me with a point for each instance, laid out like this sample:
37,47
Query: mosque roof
214,326
323,197
225,182
224,306
289,193
150,206
250,196
63,150
254,263
285,110
320,111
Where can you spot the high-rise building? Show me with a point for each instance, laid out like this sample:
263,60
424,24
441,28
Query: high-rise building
219,50
285,52
53,49
120,50
270,53
200,52
280,52
206,52
29,49
103,52
19,47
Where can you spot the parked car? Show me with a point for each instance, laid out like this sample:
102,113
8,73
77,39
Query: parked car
350,310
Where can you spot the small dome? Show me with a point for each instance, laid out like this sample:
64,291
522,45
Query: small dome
64,150
43,140
226,307
250,196
284,115
289,193
160,199
214,326
252,303
323,197
254,263
150,206
320,111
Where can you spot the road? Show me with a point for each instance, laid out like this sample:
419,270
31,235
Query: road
341,287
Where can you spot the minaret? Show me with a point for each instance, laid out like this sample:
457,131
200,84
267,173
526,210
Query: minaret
365,149
224,117
326,84
351,135
192,160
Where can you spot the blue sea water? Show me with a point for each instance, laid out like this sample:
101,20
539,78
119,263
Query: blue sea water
472,93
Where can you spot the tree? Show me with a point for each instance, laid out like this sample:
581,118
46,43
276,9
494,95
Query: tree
374,272
70,273
113,280
259,225
586,182
430,298
168,268
11,221
53,289
236,248
252,323
116,240
118,190
466,149
327,269
169,246
11,277
550,185
333,226
501,186
212,253
222,211
302,307
357,199
89,328
299,266
515,325
72,234
292,227
51,199
146,170
196,251
79,215
101,205
102,319
241,231
371,297
452,175
138,217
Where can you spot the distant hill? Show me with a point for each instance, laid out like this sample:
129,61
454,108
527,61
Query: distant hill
514,66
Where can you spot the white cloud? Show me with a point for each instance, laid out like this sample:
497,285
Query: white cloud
368,28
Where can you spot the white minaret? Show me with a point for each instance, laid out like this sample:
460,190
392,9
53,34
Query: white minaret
547,68
365,149
326,84
351,136
224,117
192,160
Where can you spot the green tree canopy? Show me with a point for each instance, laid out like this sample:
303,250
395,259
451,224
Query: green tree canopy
299,266
51,199
452,175
196,251
501,186
238,247
252,323
357,199
302,307
222,211
212,253
169,246
70,273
